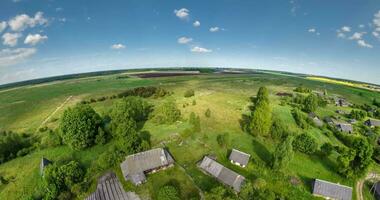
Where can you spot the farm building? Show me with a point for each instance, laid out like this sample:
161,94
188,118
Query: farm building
343,127
330,190
44,163
109,187
372,122
222,173
341,102
239,158
135,166
315,119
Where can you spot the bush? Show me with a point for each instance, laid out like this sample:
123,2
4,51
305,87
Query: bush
223,139
51,139
167,113
11,143
189,93
302,89
195,122
305,143
327,148
208,113
278,130
300,118
79,126
168,192
358,114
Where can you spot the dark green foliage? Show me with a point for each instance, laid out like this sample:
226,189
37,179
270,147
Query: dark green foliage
144,92
167,113
60,178
219,193
194,102
300,118
376,154
305,143
246,191
11,144
278,130
79,126
261,117
327,148
375,102
208,113
358,114
311,103
223,139
102,136
189,93
302,89
113,156
283,154
51,139
168,192
195,122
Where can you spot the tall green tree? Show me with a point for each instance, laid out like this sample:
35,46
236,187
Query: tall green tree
261,118
311,103
283,154
79,126
167,113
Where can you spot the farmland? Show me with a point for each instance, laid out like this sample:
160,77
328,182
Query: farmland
227,96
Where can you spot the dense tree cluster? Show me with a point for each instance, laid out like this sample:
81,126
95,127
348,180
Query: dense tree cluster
302,89
358,114
13,145
300,118
278,130
261,116
283,154
166,113
79,126
311,103
168,192
305,143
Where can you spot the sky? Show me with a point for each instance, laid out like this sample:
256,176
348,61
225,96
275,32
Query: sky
41,38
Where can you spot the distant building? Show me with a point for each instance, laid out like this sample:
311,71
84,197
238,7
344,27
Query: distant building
372,123
330,190
239,158
341,102
222,173
343,127
329,120
315,119
137,165
109,188
44,163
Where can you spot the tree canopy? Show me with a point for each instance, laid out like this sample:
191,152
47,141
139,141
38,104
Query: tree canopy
283,154
305,143
261,116
167,113
168,192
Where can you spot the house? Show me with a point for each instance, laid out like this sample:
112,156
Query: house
329,120
343,127
352,121
239,158
376,190
315,119
330,190
137,165
44,163
372,123
221,173
109,187
341,102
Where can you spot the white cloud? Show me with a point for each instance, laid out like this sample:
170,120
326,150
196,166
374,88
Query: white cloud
118,46
11,39
197,49
3,26
182,13
362,43
184,40
376,34
13,56
196,24
340,34
357,36
361,26
214,29
23,21
376,21
346,29
312,30
35,39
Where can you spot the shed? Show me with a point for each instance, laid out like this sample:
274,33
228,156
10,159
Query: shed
372,122
222,174
343,127
44,162
239,158
330,190
109,187
376,190
135,166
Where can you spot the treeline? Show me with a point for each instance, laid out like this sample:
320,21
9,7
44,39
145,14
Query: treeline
144,92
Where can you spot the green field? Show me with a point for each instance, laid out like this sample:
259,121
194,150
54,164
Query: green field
24,109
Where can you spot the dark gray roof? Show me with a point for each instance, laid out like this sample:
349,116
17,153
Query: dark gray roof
109,188
239,157
373,122
331,190
222,173
344,127
135,165
44,162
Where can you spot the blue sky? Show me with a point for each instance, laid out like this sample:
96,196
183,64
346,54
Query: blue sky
42,38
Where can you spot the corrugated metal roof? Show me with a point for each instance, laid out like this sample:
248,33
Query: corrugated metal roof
222,173
331,190
239,157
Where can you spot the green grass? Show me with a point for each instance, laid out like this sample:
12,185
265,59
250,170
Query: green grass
227,96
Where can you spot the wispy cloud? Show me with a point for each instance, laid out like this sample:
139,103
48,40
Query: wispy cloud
362,43
23,21
184,40
118,46
214,29
357,36
182,13
35,39
346,28
11,39
197,49
3,26
10,57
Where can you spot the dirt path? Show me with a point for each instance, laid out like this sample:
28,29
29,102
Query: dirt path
52,114
360,184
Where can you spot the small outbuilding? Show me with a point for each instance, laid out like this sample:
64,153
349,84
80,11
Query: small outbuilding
376,190
109,187
329,190
315,119
239,158
221,173
343,127
137,165
372,123
44,163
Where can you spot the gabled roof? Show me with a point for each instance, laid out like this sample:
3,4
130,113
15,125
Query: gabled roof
44,162
332,190
239,157
109,188
373,122
135,165
222,173
344,127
